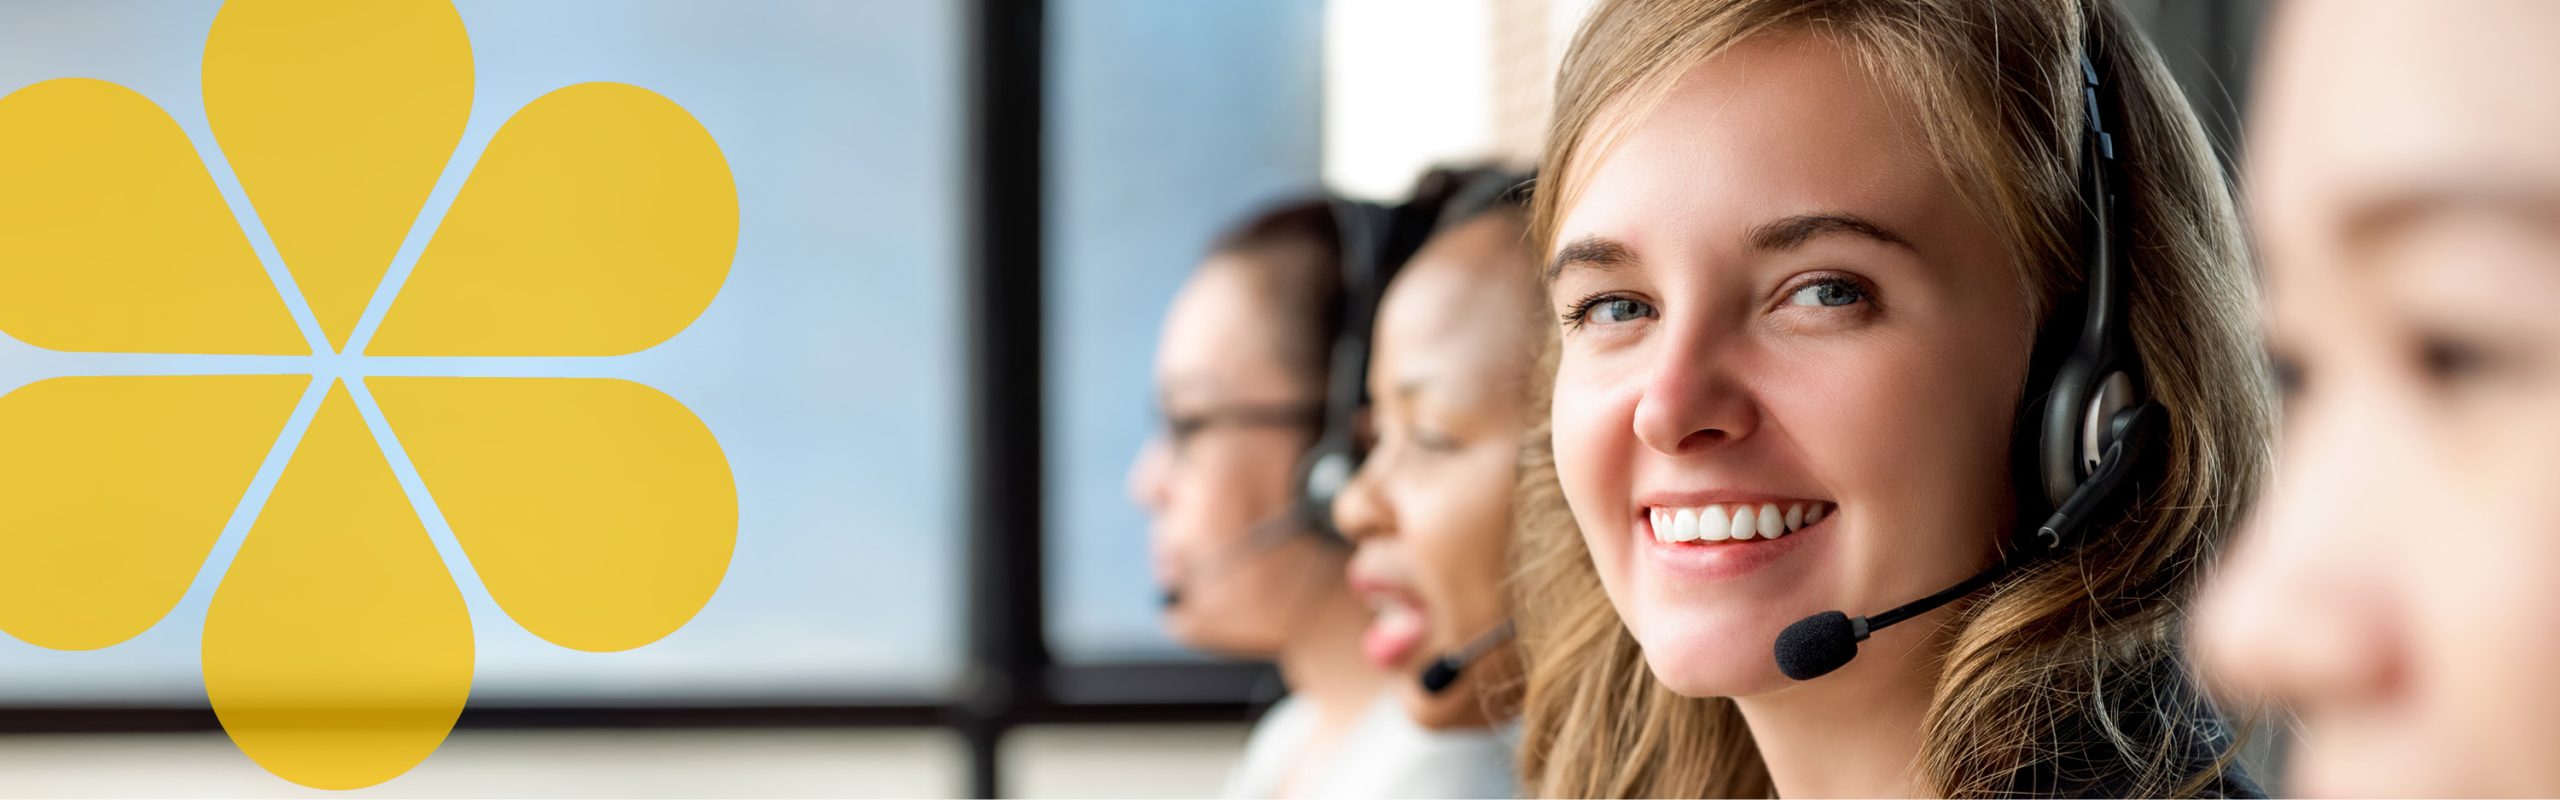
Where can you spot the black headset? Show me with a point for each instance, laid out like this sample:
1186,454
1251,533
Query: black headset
1376,240
2086,424
2096,418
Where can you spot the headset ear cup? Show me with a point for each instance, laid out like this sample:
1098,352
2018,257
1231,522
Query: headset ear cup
2058,450
1320,479
2100,424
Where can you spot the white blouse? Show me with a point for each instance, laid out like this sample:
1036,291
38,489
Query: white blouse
1384,755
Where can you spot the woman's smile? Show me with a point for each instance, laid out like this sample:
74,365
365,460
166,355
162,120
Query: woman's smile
1738,522
1729,539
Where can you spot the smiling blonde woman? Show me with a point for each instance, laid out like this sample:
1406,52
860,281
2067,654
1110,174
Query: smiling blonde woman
1801,256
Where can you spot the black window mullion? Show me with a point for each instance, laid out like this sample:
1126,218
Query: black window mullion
1008,651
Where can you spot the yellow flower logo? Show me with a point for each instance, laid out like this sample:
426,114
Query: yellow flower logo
337,650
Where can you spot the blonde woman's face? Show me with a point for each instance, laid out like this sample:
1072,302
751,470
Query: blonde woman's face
1774,304
2399,585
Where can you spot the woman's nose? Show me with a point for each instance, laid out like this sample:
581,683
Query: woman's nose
2297,610
1360,511
1691,401
1148,474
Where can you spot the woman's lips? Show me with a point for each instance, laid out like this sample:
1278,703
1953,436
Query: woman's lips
1393,634
1397,624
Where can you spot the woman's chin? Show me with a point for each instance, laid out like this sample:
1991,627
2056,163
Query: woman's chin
1205,633
1722,664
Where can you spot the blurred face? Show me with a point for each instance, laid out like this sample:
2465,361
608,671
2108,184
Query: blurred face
2407,198
1789,361
1220,478
1430,508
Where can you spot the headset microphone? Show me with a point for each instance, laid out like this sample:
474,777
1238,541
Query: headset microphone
1444,670
2093,424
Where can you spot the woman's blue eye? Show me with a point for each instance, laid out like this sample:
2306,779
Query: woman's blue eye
1828,294
1612,310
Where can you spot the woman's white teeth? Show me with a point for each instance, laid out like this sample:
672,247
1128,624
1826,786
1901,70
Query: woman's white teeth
1741,523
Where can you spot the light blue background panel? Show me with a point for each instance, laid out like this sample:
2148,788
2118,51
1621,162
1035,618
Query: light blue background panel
829,366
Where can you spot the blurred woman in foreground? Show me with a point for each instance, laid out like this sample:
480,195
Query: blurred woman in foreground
2397,586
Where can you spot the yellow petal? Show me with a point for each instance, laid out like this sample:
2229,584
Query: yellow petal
112,490
338,117
600,513
601,221
337,651
113,237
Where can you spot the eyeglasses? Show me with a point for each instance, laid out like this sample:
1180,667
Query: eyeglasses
1181,430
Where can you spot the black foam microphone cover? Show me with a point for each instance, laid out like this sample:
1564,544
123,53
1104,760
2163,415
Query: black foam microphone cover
1816,645
1442,672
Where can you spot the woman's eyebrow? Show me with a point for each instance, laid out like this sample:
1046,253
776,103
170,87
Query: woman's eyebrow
1593,252
1173,390
1787,233
2380,216
1783,233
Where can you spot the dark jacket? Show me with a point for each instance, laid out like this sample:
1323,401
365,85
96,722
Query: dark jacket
2156,703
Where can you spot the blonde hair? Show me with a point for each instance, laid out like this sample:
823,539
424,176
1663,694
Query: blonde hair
2075,645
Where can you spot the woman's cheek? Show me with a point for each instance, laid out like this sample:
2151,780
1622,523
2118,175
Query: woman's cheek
1460,542
1594,433
1916,435
1856,422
